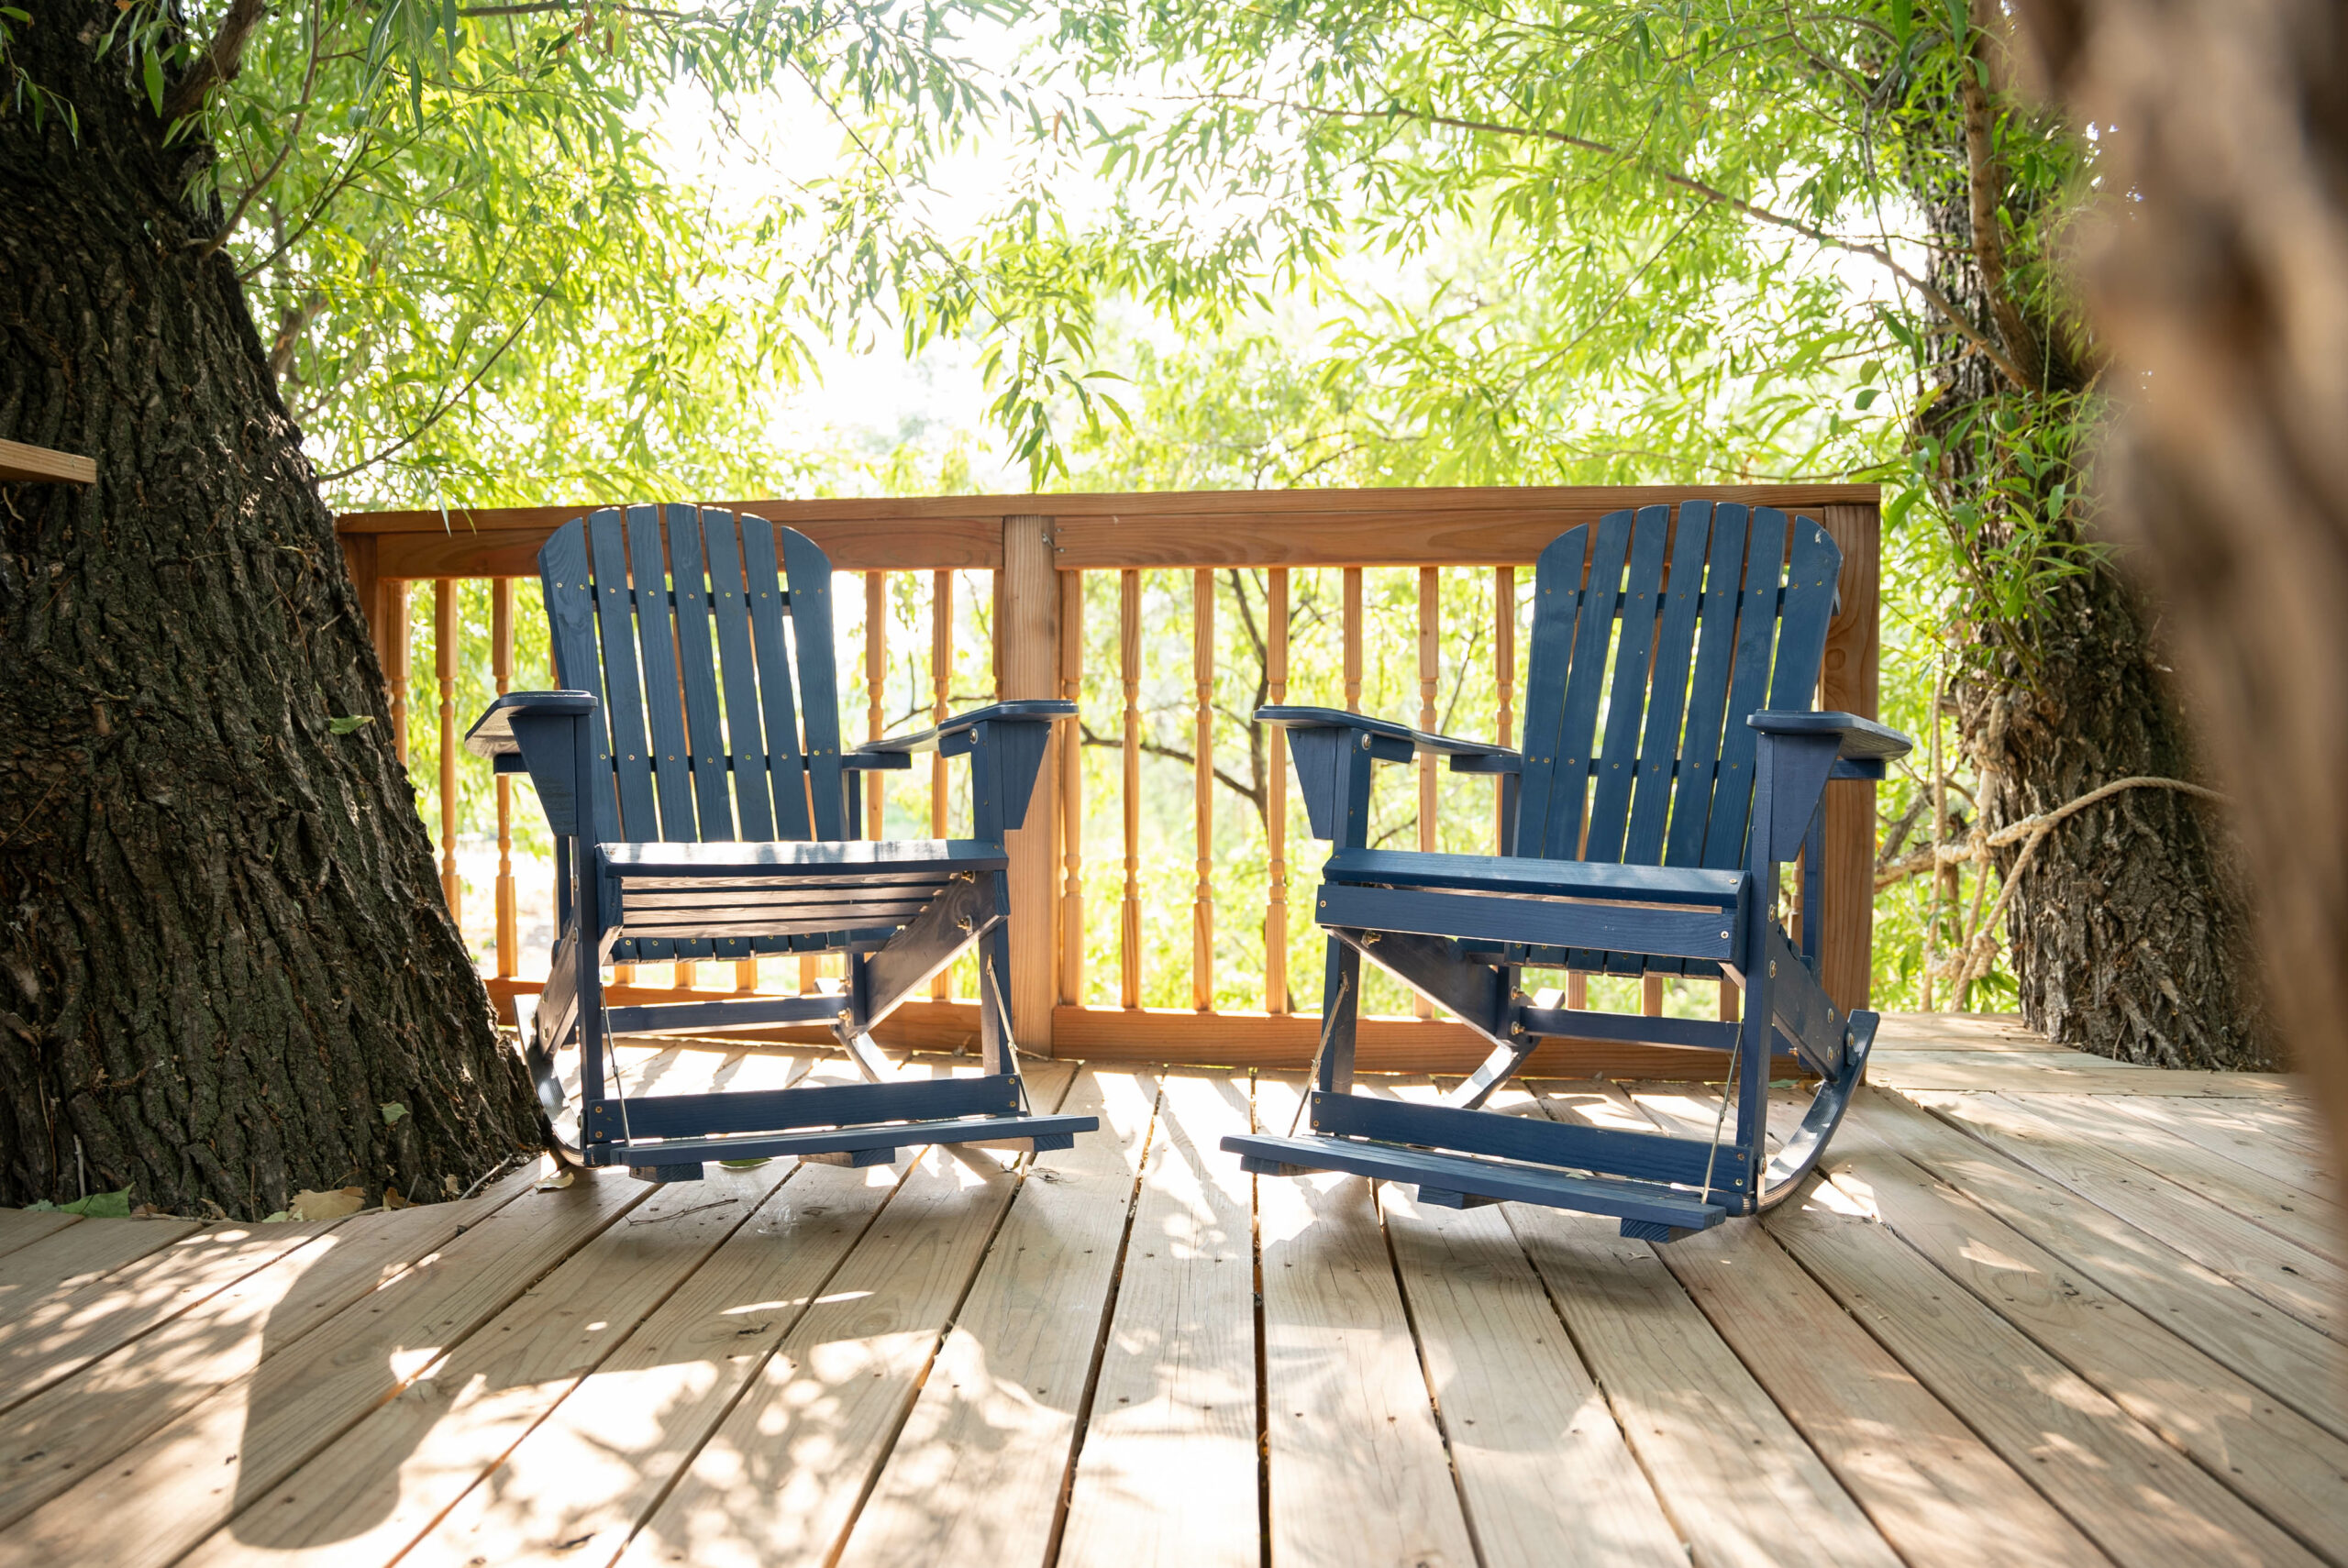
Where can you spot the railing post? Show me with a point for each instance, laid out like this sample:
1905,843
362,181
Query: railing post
1027,630
501,665
443,667
394,644
1854,655
1071,813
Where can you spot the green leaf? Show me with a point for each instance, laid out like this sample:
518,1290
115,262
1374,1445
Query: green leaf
1866,397
101,1205
151,66
392,1113
345,726
1903,20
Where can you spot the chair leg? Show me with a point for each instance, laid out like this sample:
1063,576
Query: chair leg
1340,1014
1752,1086
998,1047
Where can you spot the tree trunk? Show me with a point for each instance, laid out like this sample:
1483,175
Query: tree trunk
2128,929
2128,933
227,971
2222,281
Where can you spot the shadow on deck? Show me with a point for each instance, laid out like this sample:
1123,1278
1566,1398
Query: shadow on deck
2047,1308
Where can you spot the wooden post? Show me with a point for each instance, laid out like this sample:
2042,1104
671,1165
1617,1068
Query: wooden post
1202,790
1353,639
876,676
1129,674
1071,744
1276,690
1505,669
1027,640
444,665
395,649
501,665
1854,650
941,686
1430,681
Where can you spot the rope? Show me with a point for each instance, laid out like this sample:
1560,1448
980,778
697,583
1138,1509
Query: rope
1720,1119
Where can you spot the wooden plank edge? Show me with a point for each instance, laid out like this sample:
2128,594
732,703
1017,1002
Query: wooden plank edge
22,464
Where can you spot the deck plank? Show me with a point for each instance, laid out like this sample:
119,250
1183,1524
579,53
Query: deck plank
1359,1479
366,1496
2289,1276
68,1430
23,1227
67,1260
50,1338
1735,1475
185,1481
1547,1476
1936,1491
2146,1505
2284,1357
1173,1415
2288,1150
2286,1466
1976,1072
978,1471
574,1489
781,1478
2300,1216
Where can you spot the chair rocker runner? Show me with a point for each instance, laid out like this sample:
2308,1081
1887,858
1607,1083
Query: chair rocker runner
702,808
1646,822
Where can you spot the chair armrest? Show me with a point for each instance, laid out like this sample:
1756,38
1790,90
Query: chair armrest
1031,709
861,761
1467,756
493,732
1860,739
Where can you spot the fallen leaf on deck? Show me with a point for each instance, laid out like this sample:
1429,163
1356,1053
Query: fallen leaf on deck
334,1205
392,1198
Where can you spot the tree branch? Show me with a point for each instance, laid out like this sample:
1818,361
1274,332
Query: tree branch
1942,306
220,61
1982,179
446,403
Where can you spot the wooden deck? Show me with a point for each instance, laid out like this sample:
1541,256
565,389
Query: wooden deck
2048,1310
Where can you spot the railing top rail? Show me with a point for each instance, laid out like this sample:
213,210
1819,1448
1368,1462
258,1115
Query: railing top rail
1496,526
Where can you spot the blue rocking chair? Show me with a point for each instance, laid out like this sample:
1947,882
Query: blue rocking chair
1651,815
730,827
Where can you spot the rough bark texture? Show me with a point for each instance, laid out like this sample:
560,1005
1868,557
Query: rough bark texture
2222,283
2129,934
223,947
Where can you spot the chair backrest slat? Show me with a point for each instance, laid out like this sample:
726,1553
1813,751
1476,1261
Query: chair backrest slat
621,688
785,773
1577,696
1700,744
707,637
664,707
1748,686
810,572
697,669
745,733
1681,660
1667,687
1627,694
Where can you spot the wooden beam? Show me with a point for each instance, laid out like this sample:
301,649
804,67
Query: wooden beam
1491,526
1028,635
1854,652
20,464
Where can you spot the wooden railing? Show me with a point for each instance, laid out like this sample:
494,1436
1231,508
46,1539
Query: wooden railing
1047,557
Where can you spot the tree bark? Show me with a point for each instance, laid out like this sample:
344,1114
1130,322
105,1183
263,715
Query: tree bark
224,953
2129,934
2217,268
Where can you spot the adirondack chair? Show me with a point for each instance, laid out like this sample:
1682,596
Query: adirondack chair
1651,817
703,807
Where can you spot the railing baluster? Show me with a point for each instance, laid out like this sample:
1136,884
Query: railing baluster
1203,788
1276,690
1071,744
501,665
997,627
1430,681
1353,639
395,666
444,663
1504,671
941,686
876,676
1129,673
